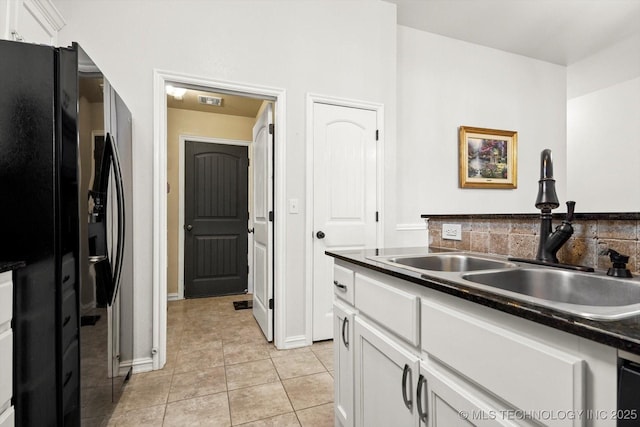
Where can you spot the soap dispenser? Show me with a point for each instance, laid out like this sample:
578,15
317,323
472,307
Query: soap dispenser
619,268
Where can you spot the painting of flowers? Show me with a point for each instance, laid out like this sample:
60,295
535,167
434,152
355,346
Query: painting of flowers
487,158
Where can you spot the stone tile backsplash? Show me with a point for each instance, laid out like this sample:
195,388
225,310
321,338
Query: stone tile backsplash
519,238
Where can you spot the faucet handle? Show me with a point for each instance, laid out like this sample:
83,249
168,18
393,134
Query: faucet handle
616,257
571,206
619,268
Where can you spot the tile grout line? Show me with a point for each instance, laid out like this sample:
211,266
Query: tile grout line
226,384
285,390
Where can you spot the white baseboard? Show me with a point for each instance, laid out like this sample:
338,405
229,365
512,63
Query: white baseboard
295,342
173,297
123,369
144,364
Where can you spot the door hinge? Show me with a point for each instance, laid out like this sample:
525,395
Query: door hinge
248,162
377,134
377,216
270,303
247,269
272,128
16,36
271,216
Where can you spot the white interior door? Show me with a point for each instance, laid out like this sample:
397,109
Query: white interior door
262,223
344,196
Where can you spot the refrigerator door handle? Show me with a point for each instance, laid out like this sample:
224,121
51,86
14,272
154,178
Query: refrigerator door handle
117,171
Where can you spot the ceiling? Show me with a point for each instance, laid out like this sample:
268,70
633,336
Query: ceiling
557,31
232,105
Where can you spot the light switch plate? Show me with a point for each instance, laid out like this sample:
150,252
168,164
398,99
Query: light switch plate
452,231
293,206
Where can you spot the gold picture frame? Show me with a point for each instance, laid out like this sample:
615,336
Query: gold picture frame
488,158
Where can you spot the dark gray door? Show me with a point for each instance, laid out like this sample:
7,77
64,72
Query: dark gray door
216,213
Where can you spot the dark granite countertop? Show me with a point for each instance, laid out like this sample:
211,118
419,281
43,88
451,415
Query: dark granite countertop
622,334
607,216
10,265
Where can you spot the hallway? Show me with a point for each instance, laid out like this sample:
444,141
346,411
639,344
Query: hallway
220,371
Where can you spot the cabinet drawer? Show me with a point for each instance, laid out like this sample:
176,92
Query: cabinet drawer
6,299
528,374
6,366
392,308
343,283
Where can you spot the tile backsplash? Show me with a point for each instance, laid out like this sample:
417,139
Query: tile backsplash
518,237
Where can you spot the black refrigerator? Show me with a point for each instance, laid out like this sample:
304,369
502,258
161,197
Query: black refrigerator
44,222
39,224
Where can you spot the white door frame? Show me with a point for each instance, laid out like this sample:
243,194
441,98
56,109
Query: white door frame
181,169
159,261
312,99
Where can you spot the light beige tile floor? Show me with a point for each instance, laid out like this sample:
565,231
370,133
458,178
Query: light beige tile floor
221,371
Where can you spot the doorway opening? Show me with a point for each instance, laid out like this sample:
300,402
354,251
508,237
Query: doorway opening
275,98
213,222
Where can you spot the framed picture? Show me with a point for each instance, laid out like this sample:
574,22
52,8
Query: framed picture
488,158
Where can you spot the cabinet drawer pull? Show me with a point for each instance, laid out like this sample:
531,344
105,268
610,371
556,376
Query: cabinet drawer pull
423,413
345,340
406,372
340,286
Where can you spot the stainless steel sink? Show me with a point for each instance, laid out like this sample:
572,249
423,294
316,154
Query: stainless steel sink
445,262
587,295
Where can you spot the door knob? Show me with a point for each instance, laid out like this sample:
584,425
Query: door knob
188,227
320,235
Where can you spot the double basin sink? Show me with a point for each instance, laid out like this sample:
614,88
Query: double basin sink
589,295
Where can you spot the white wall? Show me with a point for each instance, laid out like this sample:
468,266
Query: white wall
339,48
603,124
445,83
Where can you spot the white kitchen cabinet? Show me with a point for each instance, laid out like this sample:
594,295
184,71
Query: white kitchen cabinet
6,349
394,309
31,21
385,377
510,365
7,418
343,284
6,300
343,317
446,400
454,357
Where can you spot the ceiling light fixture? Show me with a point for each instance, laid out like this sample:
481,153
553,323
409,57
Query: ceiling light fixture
176,92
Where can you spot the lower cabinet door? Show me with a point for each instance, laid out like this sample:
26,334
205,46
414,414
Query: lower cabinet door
445,400
343,364
386,376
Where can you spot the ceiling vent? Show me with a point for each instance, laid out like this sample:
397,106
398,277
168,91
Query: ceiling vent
210,100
